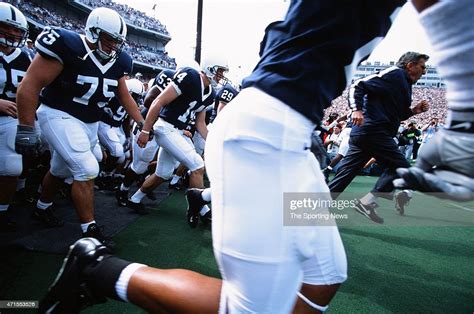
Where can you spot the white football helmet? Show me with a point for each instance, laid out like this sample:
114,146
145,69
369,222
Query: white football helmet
211,66
12,17
103,24
135,88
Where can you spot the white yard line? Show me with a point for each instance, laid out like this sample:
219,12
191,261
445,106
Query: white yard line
462,207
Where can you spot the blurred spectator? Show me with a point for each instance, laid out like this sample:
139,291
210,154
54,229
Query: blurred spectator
409,136
428,130
30,48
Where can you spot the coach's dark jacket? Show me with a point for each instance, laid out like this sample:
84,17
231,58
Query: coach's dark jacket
385,100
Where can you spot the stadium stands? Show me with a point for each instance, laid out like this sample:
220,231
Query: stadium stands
139,52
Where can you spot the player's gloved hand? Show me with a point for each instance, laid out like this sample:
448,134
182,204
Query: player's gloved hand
444,166
27,141
317,148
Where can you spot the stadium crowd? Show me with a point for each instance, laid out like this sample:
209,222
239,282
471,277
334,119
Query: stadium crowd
134,16
139,52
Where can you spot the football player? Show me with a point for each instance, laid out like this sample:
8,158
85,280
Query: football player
266,132
187,94
142,156
198,199
13,65
75,76
112,135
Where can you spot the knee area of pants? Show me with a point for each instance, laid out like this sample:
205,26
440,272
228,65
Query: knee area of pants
12,166
139,169
164,175
117,151
87,172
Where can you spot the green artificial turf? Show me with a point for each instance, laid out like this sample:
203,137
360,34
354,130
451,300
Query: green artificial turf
420,262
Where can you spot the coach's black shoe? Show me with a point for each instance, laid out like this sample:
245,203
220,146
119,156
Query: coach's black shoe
122,197
402,199
69,292
94,231
369,211
139,208
47,217
195,203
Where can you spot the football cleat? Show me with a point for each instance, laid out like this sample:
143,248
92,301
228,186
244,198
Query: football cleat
122,197
47,217
195,203
7,223
69,292
206,219
139,208
369,211
94,231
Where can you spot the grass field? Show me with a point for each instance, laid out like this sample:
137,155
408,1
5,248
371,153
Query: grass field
399,267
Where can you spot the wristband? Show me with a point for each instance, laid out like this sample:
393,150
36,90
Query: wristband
146,132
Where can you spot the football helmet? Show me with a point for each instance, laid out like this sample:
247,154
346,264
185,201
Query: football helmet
13,26
135,88
107,29
215,67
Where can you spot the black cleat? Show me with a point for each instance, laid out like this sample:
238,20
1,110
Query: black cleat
402,199
195,203
47,217
139,208
106,183
7,223
175,186
122,197
69,292
94,231
151,196
206,219
369,211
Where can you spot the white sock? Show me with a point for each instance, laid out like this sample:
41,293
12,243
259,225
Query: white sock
86,225
206,195
124,188
3,208
20,184
43,205
121,285
369,198
138,196
204,210
175,179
